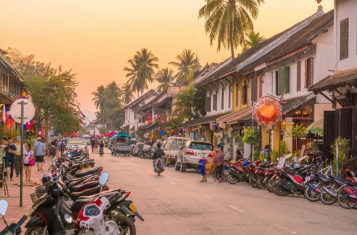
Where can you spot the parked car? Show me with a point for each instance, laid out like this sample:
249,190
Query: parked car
190,153
78,143
86,138
135,151
121,144
172,147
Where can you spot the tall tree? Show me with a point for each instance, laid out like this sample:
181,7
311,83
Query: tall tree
252,40
187,65
141,70
163,77
99,99
228,20
127,93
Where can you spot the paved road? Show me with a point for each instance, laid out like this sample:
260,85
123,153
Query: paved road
178,203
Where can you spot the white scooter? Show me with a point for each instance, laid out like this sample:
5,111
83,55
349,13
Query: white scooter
91,219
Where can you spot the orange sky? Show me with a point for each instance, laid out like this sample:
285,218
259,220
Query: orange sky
97,37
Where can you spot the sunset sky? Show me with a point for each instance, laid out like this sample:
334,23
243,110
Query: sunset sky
97,37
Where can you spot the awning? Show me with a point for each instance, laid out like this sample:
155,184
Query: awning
234,118
204,120
125,125
316,127
110,134
146,126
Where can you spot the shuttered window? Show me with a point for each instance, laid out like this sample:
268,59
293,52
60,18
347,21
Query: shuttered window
208,104
261,86
283,80
244,93
254,89
298,76
344,39
222,98
215,102
237,87
229,96
309,72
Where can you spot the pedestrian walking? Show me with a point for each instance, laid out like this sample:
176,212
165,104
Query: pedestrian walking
214,152
202,168
219,162
10,150
52,154
96,146
29,161
93,143
18,156
39,150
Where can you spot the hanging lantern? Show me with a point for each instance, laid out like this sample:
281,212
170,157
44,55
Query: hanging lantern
267,111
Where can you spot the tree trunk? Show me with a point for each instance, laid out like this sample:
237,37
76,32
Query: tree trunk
46,134
231,38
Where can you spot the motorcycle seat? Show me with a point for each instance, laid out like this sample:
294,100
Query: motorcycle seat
336,177
85,192
104,194
81,187
349,183
77,205
81,173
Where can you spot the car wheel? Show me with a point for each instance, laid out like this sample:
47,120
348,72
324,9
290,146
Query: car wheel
183,166
177,166
167,162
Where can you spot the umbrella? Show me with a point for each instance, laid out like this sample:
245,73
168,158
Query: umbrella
316,127
123,135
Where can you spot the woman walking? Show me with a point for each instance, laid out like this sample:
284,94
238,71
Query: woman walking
219,162
29,161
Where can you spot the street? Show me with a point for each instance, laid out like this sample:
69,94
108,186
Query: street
178,203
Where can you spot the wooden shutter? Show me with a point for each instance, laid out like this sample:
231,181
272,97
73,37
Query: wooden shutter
215,102
253,89
281,80
311,80
244,94
286,79
237,86
260,81
298,76
208,104
344,39
222,98
329,133
306,73
229,96
277,82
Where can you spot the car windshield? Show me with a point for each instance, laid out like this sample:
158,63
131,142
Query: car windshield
76,141
201,146
177,143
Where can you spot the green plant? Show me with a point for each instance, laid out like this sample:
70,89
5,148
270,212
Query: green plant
297,153
343,150
296,132
252,137
262,157
284,150
274,155
240,143
256,153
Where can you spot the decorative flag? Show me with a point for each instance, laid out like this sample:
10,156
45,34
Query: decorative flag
28,125
159,117
162,132
181,111
162,120
150,118
181,132
9,122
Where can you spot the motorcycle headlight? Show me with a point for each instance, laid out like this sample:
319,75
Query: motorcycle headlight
68,218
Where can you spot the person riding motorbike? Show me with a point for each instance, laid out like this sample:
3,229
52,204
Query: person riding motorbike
157,154
101,147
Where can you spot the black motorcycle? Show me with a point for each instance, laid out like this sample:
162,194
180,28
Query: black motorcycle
13,229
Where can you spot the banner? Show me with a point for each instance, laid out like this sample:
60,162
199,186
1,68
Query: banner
9,122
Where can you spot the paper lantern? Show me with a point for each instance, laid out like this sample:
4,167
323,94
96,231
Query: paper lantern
267,111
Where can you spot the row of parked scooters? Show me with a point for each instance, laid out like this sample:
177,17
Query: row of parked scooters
75,199
315,181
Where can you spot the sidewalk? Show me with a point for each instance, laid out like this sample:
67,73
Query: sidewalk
14,211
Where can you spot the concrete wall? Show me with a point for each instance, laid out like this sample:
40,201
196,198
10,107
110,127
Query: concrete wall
346,9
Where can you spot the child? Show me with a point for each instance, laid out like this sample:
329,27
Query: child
202,167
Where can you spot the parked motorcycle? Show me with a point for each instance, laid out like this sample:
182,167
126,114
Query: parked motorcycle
13,229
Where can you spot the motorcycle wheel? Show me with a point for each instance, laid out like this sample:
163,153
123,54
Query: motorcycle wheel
231,179
269,185
36,230
278,190
125,225
343,200
259,182
326,198
311,194
252,181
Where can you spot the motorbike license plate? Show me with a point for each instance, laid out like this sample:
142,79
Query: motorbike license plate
133,207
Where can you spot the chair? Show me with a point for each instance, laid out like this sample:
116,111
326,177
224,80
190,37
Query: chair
3,180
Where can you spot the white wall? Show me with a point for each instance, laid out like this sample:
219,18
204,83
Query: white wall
346,9
218,87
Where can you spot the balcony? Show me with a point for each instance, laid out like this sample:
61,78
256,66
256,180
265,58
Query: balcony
172,91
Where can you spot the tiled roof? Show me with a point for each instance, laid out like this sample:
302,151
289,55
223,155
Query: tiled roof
237,115
203,120
339,79
140,98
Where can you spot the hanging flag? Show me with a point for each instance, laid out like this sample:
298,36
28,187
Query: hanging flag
159,117
150,118
162,120
181,111
181,132
9,122
28,125
162,132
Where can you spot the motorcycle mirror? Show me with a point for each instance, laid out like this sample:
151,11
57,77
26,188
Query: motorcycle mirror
265,160
103,178
3,207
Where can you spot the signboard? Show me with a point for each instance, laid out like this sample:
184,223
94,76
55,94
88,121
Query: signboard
281,162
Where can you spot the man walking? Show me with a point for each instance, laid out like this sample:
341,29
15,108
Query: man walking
92,142
39,150
18,156
10,150
52,154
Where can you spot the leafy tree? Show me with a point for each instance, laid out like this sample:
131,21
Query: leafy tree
228,20
187,65
252,137
252,40
141,70
343,150
103,130
127,93
296,132
163,77
99,99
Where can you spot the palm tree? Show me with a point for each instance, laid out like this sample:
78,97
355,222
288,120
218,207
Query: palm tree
99,98
163,77
252,40
142,70
228,20
127,93
188,64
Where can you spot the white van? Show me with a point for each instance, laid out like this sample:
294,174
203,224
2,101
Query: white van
172,147
87,139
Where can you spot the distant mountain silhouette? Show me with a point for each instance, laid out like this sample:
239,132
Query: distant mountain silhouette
89,114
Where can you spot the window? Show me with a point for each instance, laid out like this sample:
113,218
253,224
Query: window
244,93
309,72
298,76
261,86
208,104
215,101
229,96
237,87
201,146
222,99
344,39
283,80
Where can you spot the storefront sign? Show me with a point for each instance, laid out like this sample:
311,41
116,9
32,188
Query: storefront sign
267,111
